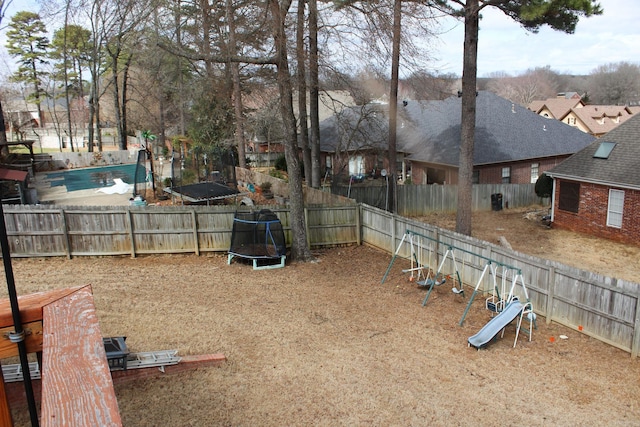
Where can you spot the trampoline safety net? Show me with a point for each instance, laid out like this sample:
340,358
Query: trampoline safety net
258,236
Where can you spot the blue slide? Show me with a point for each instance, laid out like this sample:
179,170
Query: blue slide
496,324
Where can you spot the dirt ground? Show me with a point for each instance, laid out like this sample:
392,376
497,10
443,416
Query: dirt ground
327,344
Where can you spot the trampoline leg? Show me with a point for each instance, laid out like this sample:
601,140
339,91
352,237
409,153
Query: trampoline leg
229,257
268,266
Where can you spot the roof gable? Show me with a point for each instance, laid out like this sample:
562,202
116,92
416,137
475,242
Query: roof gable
622,165
600,119
557,107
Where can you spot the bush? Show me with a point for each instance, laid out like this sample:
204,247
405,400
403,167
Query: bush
544,186
188,177
277,174
266,186
281,163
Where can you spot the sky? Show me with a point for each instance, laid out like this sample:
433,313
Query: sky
504,46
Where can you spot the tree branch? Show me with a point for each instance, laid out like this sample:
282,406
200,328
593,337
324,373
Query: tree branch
220,59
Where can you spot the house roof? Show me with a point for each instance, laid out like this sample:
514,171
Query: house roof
620,168
600,119
355,129
505,132
558,107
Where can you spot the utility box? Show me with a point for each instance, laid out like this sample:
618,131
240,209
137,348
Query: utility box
117,353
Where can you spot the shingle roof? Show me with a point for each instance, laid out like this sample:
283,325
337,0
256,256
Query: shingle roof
505,132
600,119
559,107
621,168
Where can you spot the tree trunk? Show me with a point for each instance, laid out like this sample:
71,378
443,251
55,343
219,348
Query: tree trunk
468,117
123,117
3,134
299,247
393,104
302,93
237,90
314,142
66,77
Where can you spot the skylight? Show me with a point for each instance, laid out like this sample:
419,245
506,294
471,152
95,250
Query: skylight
604,150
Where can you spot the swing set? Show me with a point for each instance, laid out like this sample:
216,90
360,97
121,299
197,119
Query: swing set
425,276
502,291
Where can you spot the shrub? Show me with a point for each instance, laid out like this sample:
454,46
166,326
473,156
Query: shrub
266,186
281,163
544,186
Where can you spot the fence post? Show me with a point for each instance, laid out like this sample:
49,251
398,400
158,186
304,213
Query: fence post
358,224
550,293
131,234
195,231
635,343
306,225
65,230
392,247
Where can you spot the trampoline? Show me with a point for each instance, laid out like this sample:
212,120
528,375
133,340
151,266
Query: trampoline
259,237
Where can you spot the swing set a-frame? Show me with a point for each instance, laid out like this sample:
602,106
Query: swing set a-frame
502,291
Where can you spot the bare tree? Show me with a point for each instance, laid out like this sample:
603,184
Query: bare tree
538,83
615,84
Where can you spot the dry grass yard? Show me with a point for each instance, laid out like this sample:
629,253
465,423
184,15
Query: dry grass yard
327,344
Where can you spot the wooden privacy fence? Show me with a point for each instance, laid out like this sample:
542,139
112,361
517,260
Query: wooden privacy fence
122,230
607,308
416,200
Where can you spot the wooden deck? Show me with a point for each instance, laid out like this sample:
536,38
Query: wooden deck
77,388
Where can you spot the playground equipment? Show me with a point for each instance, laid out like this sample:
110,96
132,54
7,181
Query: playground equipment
416,248
514,310
418,243
502,293
258,236
440,279
504,303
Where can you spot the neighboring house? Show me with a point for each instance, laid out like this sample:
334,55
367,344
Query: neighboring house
512,144
556,108
266,140
354,142
20,116
597,190
595,120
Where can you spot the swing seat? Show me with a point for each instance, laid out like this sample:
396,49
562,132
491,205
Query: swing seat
430,282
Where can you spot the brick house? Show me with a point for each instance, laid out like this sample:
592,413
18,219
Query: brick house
597,190
354,142
512,144
596,120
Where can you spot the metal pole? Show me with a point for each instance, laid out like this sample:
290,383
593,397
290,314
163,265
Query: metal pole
18,335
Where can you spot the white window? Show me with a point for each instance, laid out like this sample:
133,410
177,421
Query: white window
616,206
506,175
534,172
356,166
